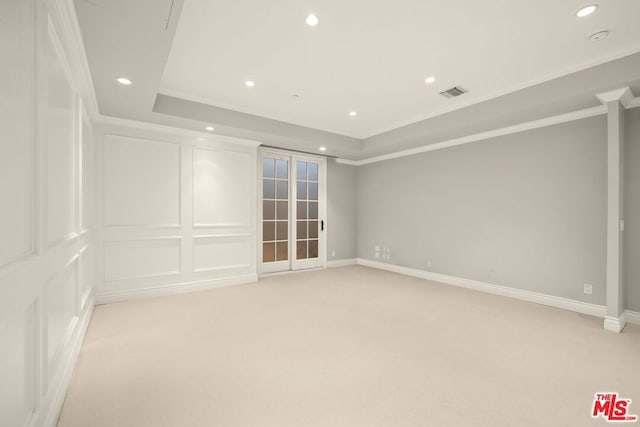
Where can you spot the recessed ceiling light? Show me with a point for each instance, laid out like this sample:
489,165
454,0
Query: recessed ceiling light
430,79
312,20
353,113
599,35
210,128
249,83
124,81
323,148
586,11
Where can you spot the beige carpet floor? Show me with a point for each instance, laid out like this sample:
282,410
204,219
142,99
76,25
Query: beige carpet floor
346,347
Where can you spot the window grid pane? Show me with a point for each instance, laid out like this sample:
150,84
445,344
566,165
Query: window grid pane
282,169
282,230
301,230
312,169
301,210
301,171
301,190
268,231
301,249
313,249
268,252
313,191
282,190
268,210
313,210
268,167
282,251
313,229
268,189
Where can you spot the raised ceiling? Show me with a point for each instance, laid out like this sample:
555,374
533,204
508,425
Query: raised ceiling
371,59
372,56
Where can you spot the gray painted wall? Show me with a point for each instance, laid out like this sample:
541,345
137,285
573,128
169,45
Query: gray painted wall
341,210
526,210
632,209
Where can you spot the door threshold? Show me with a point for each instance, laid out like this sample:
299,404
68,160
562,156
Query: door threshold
280,273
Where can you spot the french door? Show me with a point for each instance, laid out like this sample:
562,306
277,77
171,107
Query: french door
292,218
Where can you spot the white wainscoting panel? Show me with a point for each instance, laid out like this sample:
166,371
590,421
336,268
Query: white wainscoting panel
221,183
87,173
16,369
61,308
215,253
141,182
61,147
41,324
177,212
141,259
87,273
17,178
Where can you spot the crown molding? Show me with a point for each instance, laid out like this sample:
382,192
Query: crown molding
154,127
348,162
522,127
624,95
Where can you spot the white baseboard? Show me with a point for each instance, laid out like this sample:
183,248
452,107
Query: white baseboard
51,404
615,324
178,288
632,317
342,262
539,298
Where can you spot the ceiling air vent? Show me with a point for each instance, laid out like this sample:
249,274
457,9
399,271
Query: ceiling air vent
453,92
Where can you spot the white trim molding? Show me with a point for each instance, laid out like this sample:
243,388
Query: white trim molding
342,262
624,95
632,317
535,297
50,409
180,131
348,162
482,136
173,289
615,324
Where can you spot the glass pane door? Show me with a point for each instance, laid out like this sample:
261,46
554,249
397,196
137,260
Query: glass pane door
309,222
293,211
306,210
275,213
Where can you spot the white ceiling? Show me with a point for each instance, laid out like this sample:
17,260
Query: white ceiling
372,56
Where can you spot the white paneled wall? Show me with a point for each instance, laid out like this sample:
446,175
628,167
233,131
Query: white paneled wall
141,182
177,211
46,188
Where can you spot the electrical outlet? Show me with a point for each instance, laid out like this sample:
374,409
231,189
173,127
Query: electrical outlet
492,274
429,264
333,254
588,289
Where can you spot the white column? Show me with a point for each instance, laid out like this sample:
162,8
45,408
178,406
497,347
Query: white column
616,101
